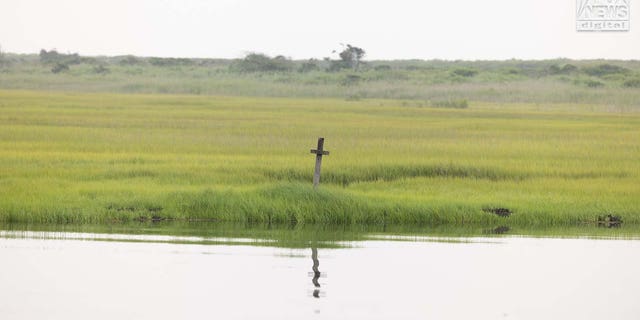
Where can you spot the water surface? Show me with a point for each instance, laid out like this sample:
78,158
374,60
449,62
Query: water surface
291,274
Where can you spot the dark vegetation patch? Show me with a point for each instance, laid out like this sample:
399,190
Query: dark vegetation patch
127,174
348,176
170,62
129,60
134,207
605,69
498,230
101,69
114,207
501,212
60,62
154,209
152,218
609,221
351,80
566,69
258,62
632,83
452,103
141,212
382,67
464,72
593,83
309,66
59,67
53,57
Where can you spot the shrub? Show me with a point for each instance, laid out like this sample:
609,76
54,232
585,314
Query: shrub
101,69
594,83
310,65
566,69
382,67
464,72
632,83
129,61
53,57
554,69
60,67
605,69
168,62
337,65
569,68
351,79
512,71
258,62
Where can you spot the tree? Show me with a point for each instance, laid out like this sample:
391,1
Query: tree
129,60
352,56
259,62
309,65
53,57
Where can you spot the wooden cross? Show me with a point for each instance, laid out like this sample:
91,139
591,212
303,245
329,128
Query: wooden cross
319,153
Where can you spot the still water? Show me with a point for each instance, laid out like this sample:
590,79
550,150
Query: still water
76,275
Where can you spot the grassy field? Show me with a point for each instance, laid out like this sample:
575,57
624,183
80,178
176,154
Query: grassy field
95,158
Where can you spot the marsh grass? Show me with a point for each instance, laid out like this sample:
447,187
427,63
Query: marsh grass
97,158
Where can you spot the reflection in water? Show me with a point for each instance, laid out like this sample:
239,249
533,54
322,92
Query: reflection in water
383,278
299,236
316,272
498,230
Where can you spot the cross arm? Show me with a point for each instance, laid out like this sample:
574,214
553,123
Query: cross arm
320,152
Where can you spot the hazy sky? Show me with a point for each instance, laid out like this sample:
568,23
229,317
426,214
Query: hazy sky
399,29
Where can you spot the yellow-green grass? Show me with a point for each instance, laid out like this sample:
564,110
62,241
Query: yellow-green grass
94,158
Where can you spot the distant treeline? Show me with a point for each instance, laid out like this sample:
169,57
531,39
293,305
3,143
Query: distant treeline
346,75
262,63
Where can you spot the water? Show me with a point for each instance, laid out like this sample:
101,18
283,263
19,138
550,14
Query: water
78,275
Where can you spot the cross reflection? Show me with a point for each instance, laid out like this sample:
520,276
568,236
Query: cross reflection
316,272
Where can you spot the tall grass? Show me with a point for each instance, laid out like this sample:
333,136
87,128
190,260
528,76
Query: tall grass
94,158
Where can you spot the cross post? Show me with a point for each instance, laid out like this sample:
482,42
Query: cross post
319,152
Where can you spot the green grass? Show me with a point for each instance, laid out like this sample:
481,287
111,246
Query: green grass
98,158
